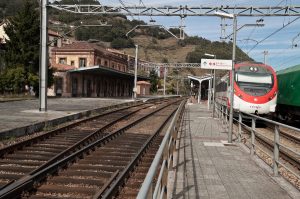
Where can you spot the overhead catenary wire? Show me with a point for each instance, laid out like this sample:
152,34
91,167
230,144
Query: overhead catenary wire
273,33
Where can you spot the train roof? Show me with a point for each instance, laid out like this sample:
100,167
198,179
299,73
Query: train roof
289,70
250,62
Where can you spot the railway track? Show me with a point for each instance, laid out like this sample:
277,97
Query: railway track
90,171
31,156
286,133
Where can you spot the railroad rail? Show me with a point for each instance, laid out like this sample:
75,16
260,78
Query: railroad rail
35,154
279,150
99,164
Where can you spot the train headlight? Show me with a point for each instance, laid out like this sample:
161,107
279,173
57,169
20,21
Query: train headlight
253,69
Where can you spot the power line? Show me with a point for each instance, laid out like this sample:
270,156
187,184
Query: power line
273,33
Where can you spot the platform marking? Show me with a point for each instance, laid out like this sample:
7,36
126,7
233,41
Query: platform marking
218,144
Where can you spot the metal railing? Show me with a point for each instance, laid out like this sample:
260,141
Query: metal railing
222,113
164,155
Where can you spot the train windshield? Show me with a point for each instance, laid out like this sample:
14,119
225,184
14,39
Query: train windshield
254,78
255,84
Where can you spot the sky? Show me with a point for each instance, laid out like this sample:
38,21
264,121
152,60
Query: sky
281,53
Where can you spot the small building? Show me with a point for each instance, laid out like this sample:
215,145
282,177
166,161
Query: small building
85,69
85,54
143,88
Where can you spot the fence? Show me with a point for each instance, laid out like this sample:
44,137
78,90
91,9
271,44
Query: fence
164,153
223,114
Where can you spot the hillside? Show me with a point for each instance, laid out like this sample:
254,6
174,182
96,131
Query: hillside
155,44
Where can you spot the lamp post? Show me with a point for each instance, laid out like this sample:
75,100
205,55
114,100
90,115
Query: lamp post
232,80
234,17
214,83
43,69
135,71
231,16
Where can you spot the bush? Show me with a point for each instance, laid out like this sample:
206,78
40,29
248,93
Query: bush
122,43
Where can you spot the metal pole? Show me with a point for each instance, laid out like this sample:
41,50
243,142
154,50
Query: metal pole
165,74
252,149
135,71
214,93
232,81
199,92
177,91
265,56
240,127
276,150
209,93
43,57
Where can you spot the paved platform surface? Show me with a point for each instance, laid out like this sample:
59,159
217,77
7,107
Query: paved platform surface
209,169
21,113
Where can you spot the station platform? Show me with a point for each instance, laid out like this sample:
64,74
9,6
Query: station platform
208,167
17,117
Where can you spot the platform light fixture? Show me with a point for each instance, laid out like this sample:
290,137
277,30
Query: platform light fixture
231,16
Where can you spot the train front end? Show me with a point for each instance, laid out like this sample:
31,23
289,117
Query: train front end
255,88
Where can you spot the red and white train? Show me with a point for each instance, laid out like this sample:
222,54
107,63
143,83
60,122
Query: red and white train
255,88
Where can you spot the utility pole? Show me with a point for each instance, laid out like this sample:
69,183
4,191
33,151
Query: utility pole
43,68
165,76
232,81
265,56
135,71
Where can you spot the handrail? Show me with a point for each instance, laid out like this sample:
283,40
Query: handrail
163,151
276,144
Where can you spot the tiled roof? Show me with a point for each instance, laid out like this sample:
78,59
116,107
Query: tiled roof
62,67
53,33
80,45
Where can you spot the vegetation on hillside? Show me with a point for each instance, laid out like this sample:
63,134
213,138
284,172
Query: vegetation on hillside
222,50
160,46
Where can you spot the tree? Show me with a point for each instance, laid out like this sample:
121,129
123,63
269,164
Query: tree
154,81
23,45
22,49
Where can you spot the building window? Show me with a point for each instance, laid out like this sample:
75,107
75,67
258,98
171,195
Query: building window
63,60
98,61
55,42
72,63
82,62
105,63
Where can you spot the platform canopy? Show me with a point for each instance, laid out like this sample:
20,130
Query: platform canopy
106,71
200,80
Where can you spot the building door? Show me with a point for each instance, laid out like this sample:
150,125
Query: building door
58,86
74,87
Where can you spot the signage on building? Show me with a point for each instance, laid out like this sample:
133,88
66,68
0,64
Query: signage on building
219,64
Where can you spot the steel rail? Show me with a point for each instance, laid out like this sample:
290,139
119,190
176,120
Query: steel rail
113,188
15,189
79,144
16,146
84,141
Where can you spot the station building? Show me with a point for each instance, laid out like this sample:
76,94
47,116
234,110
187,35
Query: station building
85,69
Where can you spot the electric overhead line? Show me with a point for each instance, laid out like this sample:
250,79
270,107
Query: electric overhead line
273,33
